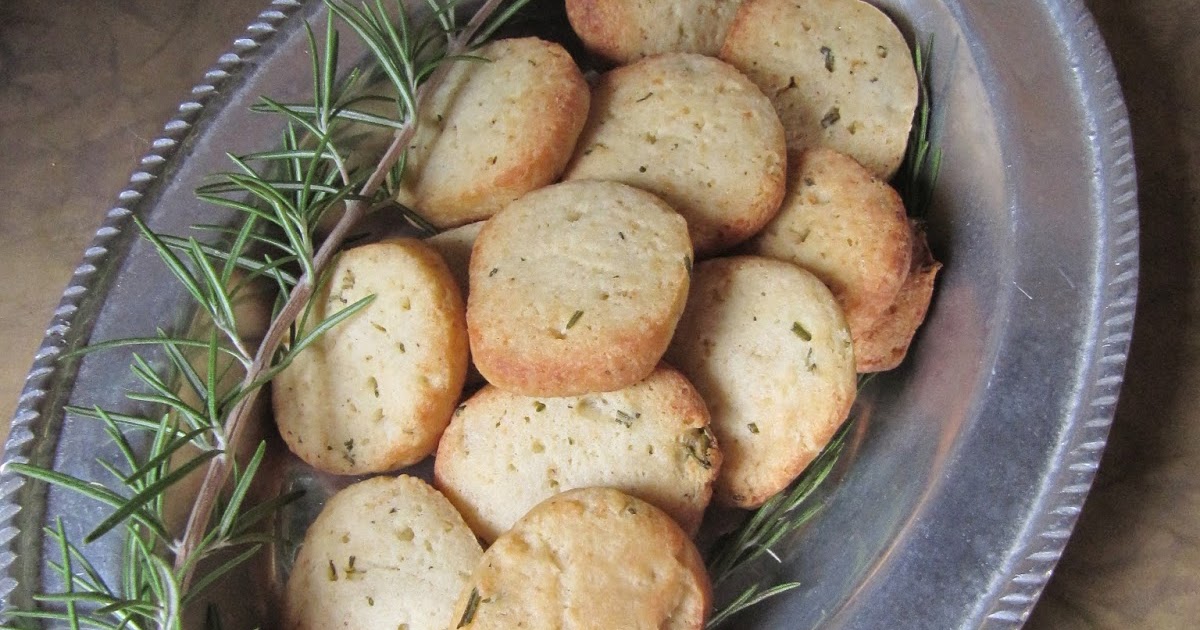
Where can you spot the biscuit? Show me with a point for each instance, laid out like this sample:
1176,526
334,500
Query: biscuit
623,31
454,246
494,130
883,346
383,553
838,71
588,558
767,347
504,453
576,288
847,227
375,392
697,133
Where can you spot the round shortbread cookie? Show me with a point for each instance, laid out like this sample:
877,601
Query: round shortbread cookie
697,133
838,71
883,346
383,553
588,558
454,246
494,130
504,453
576,288
767,347
847,227
375,392
623,31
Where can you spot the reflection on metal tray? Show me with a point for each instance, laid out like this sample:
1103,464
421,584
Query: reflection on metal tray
968,466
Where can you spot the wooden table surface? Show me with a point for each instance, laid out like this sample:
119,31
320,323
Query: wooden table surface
85,86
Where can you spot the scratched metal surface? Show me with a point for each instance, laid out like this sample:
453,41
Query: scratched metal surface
968,465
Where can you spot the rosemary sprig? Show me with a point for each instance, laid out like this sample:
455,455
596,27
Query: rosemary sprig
398,51
750,597
922,160
281,196
781,515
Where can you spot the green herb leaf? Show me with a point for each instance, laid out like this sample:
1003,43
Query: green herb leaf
468,616
918,173
827,52
831,117
746,599
698,442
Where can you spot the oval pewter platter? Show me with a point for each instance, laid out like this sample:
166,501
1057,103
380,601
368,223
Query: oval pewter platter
968,465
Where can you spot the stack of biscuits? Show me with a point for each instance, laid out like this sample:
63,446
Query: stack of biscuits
657,290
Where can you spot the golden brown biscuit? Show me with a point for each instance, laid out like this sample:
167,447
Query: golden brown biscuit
623,31
383,553
576,288
504,453
375,392
838,71
847,227
767,347
454,246
883,346
494,130
697,133
588,558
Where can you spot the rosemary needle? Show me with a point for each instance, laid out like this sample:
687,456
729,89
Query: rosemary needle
922,159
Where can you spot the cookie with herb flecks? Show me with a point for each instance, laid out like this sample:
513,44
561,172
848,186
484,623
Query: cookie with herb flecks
588,558
884,345
376,391
503,123
697,133
838,72
847,227
503,453
623,31
383,553
767,347
454,246
576,288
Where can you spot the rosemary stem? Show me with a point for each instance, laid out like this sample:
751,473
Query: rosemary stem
220,467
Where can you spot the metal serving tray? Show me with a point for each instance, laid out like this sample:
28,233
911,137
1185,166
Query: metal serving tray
968,465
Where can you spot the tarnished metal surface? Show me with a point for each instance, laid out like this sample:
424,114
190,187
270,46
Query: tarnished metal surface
968,465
